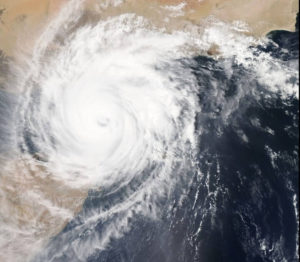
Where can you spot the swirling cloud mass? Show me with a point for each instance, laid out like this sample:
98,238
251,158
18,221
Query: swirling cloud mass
111,106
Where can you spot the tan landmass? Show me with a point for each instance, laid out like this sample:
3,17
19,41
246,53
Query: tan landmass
34,207
22,19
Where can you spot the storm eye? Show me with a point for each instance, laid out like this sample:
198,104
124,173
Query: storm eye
103,122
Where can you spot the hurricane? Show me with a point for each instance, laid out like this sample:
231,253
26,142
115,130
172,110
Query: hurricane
112,122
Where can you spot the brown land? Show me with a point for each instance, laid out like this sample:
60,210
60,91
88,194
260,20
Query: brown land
34,207
22,19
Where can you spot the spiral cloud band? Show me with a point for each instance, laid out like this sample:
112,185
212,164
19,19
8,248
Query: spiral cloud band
104,110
